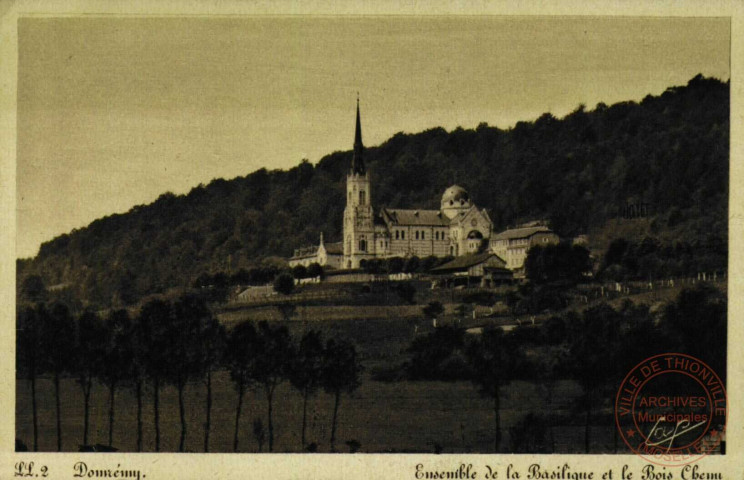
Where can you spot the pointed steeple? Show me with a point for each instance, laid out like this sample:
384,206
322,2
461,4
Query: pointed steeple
357,161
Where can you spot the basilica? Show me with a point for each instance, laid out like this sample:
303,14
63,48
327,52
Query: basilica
457,228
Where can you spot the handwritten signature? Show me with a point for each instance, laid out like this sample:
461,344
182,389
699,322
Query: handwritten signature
666,435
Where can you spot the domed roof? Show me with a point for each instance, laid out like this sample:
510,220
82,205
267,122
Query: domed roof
455,196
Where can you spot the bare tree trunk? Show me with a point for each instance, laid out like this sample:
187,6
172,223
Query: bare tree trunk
586,427
614,439
304,416
139,415
59,420
552,438
34,410
112,396
208,421
182,415
237,416
86,414
269,398
156,411
497,415
551,415
333,422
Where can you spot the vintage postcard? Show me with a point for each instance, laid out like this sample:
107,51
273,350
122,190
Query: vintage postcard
450,243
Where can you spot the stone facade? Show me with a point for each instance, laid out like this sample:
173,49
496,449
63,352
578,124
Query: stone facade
513,244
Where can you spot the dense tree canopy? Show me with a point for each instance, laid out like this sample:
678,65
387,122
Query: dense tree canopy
669,151
557,262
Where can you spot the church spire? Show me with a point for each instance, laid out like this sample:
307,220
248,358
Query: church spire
357,161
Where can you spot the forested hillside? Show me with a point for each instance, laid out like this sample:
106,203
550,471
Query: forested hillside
668,151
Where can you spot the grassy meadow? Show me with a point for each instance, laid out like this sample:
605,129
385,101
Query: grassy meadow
382,417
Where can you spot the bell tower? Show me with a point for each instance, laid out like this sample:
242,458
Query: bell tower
359,241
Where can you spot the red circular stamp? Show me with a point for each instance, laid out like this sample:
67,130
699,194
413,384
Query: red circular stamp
671,410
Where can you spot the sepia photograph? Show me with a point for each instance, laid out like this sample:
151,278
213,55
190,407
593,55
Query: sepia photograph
373,234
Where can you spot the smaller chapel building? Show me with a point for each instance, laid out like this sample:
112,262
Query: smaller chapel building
324,254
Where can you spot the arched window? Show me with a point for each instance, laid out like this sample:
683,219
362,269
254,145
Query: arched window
423,235
362,197
417,235
403,235
397,234
362,245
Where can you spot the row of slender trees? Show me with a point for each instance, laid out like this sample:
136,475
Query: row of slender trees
176,343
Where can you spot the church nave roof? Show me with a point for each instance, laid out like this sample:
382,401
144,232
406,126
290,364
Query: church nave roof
402,217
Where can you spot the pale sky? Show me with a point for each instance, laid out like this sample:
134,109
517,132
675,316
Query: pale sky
112,112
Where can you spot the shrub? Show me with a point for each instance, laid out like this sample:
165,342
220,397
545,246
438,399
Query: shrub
299,271
284,284
315,270
529,435
406,291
